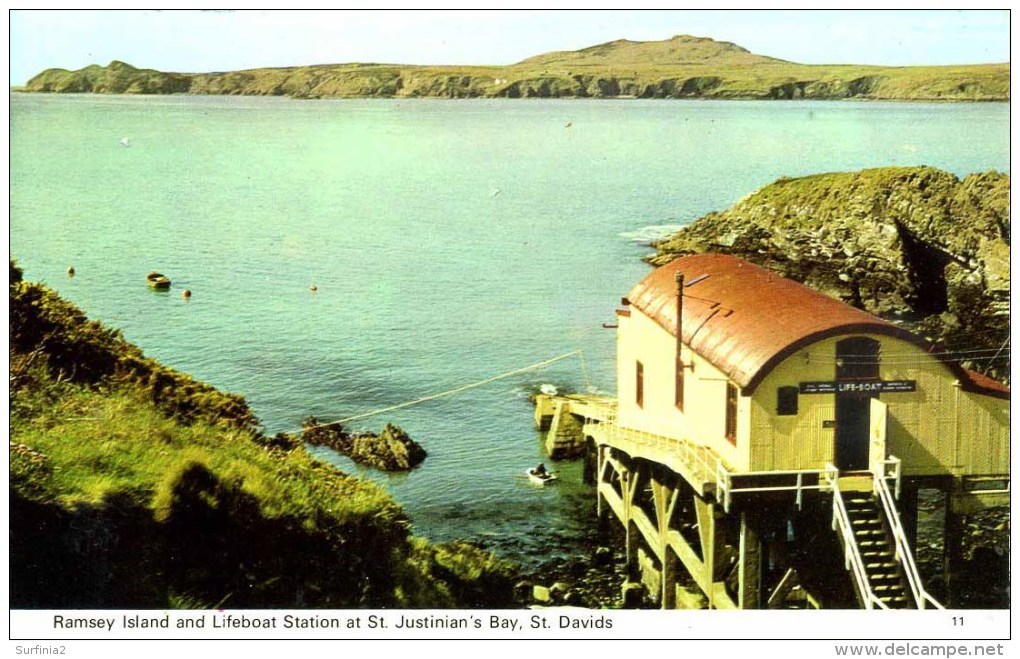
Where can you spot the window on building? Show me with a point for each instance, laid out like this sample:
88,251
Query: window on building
731,413
639,395
786,401
679,396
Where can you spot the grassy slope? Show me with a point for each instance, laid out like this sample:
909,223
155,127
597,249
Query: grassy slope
682,67
123,496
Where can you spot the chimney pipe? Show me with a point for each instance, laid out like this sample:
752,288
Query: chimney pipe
679,317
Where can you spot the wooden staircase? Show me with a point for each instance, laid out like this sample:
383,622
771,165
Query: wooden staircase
877,549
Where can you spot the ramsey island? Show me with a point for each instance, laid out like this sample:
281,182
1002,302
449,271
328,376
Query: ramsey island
681,67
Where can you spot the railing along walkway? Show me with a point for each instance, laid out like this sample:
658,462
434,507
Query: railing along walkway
922,599
854,562
696,463
701,466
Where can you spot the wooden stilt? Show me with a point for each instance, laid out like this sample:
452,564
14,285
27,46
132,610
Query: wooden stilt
628,483
749,566
600,478
669,567
665,499
632,567
907,506
952,548
707,530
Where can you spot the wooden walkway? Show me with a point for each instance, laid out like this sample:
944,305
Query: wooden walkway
595,417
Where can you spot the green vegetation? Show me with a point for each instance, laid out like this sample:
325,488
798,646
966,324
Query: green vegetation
133,486
681,67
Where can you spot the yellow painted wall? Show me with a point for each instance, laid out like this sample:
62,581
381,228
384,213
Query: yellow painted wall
984,432
937,429
704,416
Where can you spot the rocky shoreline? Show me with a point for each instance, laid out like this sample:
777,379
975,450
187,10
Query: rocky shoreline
983,578
914,245
594,581
597,579
391,450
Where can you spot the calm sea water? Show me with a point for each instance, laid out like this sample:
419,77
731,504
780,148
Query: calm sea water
450,241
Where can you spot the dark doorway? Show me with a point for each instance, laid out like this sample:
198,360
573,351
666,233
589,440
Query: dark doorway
857,360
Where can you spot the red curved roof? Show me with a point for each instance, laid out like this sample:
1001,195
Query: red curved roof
745,320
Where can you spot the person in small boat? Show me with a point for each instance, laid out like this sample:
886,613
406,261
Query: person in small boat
540,471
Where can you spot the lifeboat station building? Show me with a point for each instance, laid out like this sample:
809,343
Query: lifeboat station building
767,443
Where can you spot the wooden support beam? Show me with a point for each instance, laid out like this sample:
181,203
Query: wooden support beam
648,530
615,463
749,566
689,559
613,501
707,530
627,478
907,507
968,503
667,599
665,498
783,588
952,548
719,598
601,471
632,485
705,515
671,506
631,545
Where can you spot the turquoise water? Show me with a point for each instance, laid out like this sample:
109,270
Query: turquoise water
449,241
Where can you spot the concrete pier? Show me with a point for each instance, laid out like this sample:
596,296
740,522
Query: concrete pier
563,417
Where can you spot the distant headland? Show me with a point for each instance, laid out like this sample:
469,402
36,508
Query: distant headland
680,67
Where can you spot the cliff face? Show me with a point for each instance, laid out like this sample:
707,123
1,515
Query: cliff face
917,246
681,67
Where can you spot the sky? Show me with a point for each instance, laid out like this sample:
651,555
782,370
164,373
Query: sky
203,41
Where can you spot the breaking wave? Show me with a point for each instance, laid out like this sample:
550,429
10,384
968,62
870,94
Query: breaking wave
651,233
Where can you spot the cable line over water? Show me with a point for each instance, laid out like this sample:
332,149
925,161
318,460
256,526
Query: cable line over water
451,392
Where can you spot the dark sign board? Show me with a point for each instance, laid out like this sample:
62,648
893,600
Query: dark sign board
859,386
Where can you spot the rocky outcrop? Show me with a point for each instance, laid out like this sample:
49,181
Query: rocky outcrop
391,450
117,78
917,246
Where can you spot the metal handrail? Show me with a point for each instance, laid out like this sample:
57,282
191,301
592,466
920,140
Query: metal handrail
723,485
903,554
884,474
726,485
701,459
851,552
706,464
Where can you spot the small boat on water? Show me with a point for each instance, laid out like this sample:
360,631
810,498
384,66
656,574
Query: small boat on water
157,281
541,478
